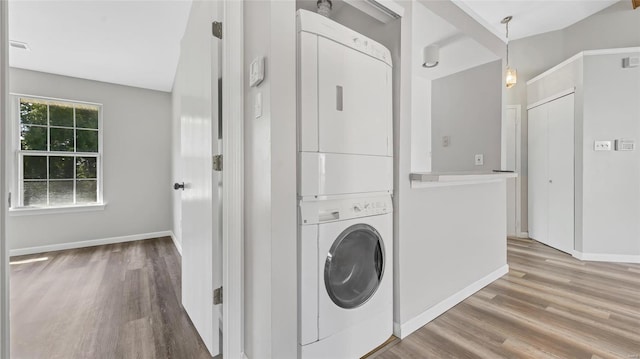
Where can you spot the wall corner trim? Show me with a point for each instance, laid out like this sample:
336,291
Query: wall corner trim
176,242
89,243
432,313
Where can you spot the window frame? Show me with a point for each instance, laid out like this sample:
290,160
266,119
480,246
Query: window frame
16,169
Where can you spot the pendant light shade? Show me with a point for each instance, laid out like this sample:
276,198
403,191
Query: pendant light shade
511,77
511,74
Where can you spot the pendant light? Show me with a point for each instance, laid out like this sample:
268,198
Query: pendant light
511,75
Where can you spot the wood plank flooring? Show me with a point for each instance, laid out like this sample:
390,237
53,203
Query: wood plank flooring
549,305
113,301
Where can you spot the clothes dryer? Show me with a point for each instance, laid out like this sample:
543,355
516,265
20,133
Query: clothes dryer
345,104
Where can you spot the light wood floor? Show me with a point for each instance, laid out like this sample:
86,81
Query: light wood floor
123,301
549,305
113,301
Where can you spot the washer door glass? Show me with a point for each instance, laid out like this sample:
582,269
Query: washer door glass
354,266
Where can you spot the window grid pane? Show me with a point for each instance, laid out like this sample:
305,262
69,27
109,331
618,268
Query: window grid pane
71,156
48,190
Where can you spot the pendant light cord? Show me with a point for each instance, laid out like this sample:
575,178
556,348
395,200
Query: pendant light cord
507,24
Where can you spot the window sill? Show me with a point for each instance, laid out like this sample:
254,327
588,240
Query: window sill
27,211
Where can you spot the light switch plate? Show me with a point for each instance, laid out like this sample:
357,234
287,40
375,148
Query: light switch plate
479,160
256,71
257,106
625,145
446,141
602,146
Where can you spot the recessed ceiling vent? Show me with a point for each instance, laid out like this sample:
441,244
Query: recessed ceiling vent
19,45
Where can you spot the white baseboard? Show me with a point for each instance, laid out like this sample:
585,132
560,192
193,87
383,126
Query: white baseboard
616,258
523,235
89,243
403,330
176,242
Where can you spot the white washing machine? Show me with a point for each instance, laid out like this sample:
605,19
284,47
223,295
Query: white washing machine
345,104
346,294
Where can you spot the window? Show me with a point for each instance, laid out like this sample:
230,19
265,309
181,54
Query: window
59,153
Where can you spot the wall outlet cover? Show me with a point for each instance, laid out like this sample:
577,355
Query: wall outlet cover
446,141
479,160
602,146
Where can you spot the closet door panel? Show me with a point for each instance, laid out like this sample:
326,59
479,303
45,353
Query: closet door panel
561,173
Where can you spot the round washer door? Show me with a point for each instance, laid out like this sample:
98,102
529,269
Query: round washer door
354,266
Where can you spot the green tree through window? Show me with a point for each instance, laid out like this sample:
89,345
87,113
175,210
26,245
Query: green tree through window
59,154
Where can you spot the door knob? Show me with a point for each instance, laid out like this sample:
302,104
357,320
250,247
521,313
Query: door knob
550,181
178,186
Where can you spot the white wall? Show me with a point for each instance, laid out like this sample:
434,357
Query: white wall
440,256
613,27
270,317
467,107
436,257
136,163
421,125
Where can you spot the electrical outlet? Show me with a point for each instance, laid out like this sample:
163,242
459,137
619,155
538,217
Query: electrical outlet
479,160
446,141
602,146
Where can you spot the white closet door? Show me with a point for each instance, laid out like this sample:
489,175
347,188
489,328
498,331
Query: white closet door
561,173
538,173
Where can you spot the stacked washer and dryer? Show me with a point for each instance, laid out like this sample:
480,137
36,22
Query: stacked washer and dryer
345,182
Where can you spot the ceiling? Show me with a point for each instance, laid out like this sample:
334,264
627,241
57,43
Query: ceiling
137,43
133,43
458,52
530,17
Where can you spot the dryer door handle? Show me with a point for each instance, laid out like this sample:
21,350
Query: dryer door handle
328,216
339,98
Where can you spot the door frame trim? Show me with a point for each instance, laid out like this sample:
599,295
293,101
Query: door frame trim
4,121
503,156
233,180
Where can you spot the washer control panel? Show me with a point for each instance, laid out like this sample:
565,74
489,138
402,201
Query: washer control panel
330,210
369,208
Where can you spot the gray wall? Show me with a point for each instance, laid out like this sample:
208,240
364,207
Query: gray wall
611,180
136,163
614,27
467,106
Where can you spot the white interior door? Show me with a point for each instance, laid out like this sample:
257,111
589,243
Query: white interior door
198,78
561,173
538,173
511,131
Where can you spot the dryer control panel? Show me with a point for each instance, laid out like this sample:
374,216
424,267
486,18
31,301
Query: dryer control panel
330,210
